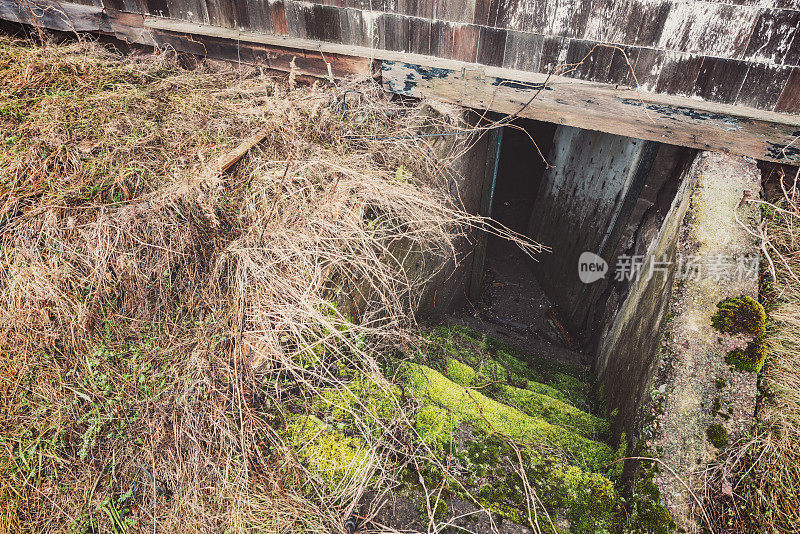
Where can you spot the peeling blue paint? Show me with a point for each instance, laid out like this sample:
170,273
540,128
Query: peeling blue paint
671,112
779,151
418,73
515,84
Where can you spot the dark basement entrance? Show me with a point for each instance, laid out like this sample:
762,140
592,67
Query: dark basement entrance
511,303
593,193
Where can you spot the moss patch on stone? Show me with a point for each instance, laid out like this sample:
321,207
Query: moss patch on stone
743,315
717,435
495,361
495,418
326,451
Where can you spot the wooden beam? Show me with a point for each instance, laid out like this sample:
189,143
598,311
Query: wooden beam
132,28
664,118
674,120
656,117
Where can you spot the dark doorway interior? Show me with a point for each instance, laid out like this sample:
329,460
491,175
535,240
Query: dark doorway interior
511,304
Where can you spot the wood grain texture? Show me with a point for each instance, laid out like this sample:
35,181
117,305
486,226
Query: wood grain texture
762,86
277,10
719,80
774,32
678,74
709,29
465,42
593,106
307,63
522,51
789,101
491,46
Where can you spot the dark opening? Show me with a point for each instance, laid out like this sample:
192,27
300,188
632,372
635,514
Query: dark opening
512,304
577,192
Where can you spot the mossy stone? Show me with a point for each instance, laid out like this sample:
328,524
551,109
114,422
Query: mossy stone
743,315
717,435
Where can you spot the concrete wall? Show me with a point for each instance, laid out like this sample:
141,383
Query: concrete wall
466,183
696,387
583,204
628,355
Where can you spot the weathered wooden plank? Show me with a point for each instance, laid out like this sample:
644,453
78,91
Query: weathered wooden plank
419,36
393,32
480,14
462,11
159,8
789,100
652,23
273,57
678,74
491,46
295,19
465,42
772,37
593,106
441,38
190,10
511,14
554,53
763,86
621,71
323,23
128,27
649,63
259,14
522,51
719,80
278,11
588,60
52,14
793,55
709,29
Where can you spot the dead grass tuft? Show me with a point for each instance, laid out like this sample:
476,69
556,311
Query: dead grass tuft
158,329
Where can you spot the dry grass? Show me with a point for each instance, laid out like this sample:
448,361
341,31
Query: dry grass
756,487
156,329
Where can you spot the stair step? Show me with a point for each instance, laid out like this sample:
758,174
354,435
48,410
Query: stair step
473,407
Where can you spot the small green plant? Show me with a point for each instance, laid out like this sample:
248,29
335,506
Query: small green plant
743,315
717,435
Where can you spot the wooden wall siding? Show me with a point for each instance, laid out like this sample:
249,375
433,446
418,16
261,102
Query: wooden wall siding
595,106
728,51
593,97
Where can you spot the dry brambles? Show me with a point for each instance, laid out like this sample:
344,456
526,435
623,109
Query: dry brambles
154,316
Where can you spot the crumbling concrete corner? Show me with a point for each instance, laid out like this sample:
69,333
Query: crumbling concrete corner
700,401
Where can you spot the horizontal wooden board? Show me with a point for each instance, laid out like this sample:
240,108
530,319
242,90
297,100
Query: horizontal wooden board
673,120
582,103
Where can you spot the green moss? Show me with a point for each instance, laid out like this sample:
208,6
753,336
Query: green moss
751,358
740,315
586,499
327,452
372,400
553,411
743,315
717,435
435,426
460,373
493,361
493,417
544,389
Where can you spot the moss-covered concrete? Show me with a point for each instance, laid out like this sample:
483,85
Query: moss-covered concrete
504,437
493,417
718,230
